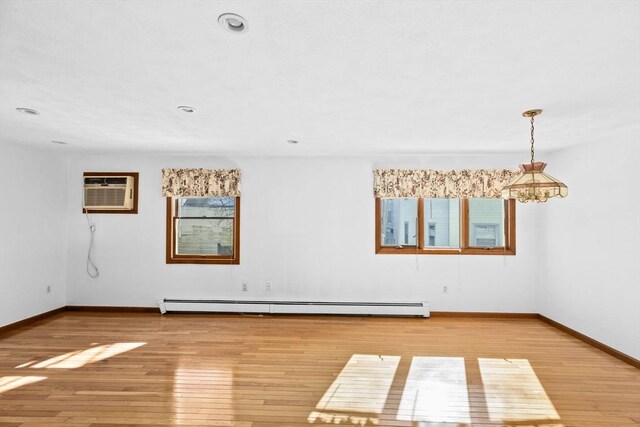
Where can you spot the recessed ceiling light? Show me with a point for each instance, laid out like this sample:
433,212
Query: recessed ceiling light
234,23
59,142
27,111
186,109
292,141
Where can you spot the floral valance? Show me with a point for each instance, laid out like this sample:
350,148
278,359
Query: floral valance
201,182
428,183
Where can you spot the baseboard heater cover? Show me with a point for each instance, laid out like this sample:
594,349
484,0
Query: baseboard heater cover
296,307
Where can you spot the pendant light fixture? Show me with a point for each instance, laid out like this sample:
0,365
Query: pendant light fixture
533,184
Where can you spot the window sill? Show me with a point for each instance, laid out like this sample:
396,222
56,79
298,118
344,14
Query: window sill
203,260
465,251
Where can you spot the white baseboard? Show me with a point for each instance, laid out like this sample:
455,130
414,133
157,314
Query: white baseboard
296,307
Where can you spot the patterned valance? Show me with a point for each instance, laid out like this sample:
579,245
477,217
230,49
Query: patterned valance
427,183
201,182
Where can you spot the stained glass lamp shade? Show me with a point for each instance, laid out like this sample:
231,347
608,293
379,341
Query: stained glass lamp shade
533,184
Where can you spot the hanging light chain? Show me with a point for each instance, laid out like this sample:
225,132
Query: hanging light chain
532,128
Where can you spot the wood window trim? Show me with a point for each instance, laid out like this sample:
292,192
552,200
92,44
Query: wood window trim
465,249
173,258
134,210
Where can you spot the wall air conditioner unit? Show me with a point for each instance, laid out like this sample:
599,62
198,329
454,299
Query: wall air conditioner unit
109,193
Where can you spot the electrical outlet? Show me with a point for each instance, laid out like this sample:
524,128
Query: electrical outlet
245,287
48,289
267,285
445,289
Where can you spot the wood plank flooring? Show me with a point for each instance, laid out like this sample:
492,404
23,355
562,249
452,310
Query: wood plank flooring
99,369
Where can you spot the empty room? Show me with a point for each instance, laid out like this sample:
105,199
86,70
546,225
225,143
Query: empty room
312,212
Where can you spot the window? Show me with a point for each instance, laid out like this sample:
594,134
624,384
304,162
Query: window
203,230
443,219
486,217
446,226
394,213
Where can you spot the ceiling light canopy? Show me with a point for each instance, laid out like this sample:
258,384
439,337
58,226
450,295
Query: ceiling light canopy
186,109
533,184
28,111
233,23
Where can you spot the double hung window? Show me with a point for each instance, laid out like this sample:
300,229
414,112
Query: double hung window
203,230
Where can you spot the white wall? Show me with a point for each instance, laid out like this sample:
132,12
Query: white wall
307,225
590,244
33,209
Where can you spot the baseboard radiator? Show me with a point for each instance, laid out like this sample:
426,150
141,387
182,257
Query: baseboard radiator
296,307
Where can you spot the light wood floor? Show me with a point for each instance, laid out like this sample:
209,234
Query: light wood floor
144,369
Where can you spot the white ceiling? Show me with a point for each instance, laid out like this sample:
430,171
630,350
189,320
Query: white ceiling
343,77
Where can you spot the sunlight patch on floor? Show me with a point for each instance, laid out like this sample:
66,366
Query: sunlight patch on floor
513,392
517,424
79,358
361,387
338,418
435,391
12,382
24,365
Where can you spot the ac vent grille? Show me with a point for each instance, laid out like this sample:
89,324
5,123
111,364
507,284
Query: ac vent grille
110,193
105,197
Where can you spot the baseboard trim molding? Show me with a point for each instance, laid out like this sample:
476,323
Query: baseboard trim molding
592,342
462,314
484,314
30,320
112,309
